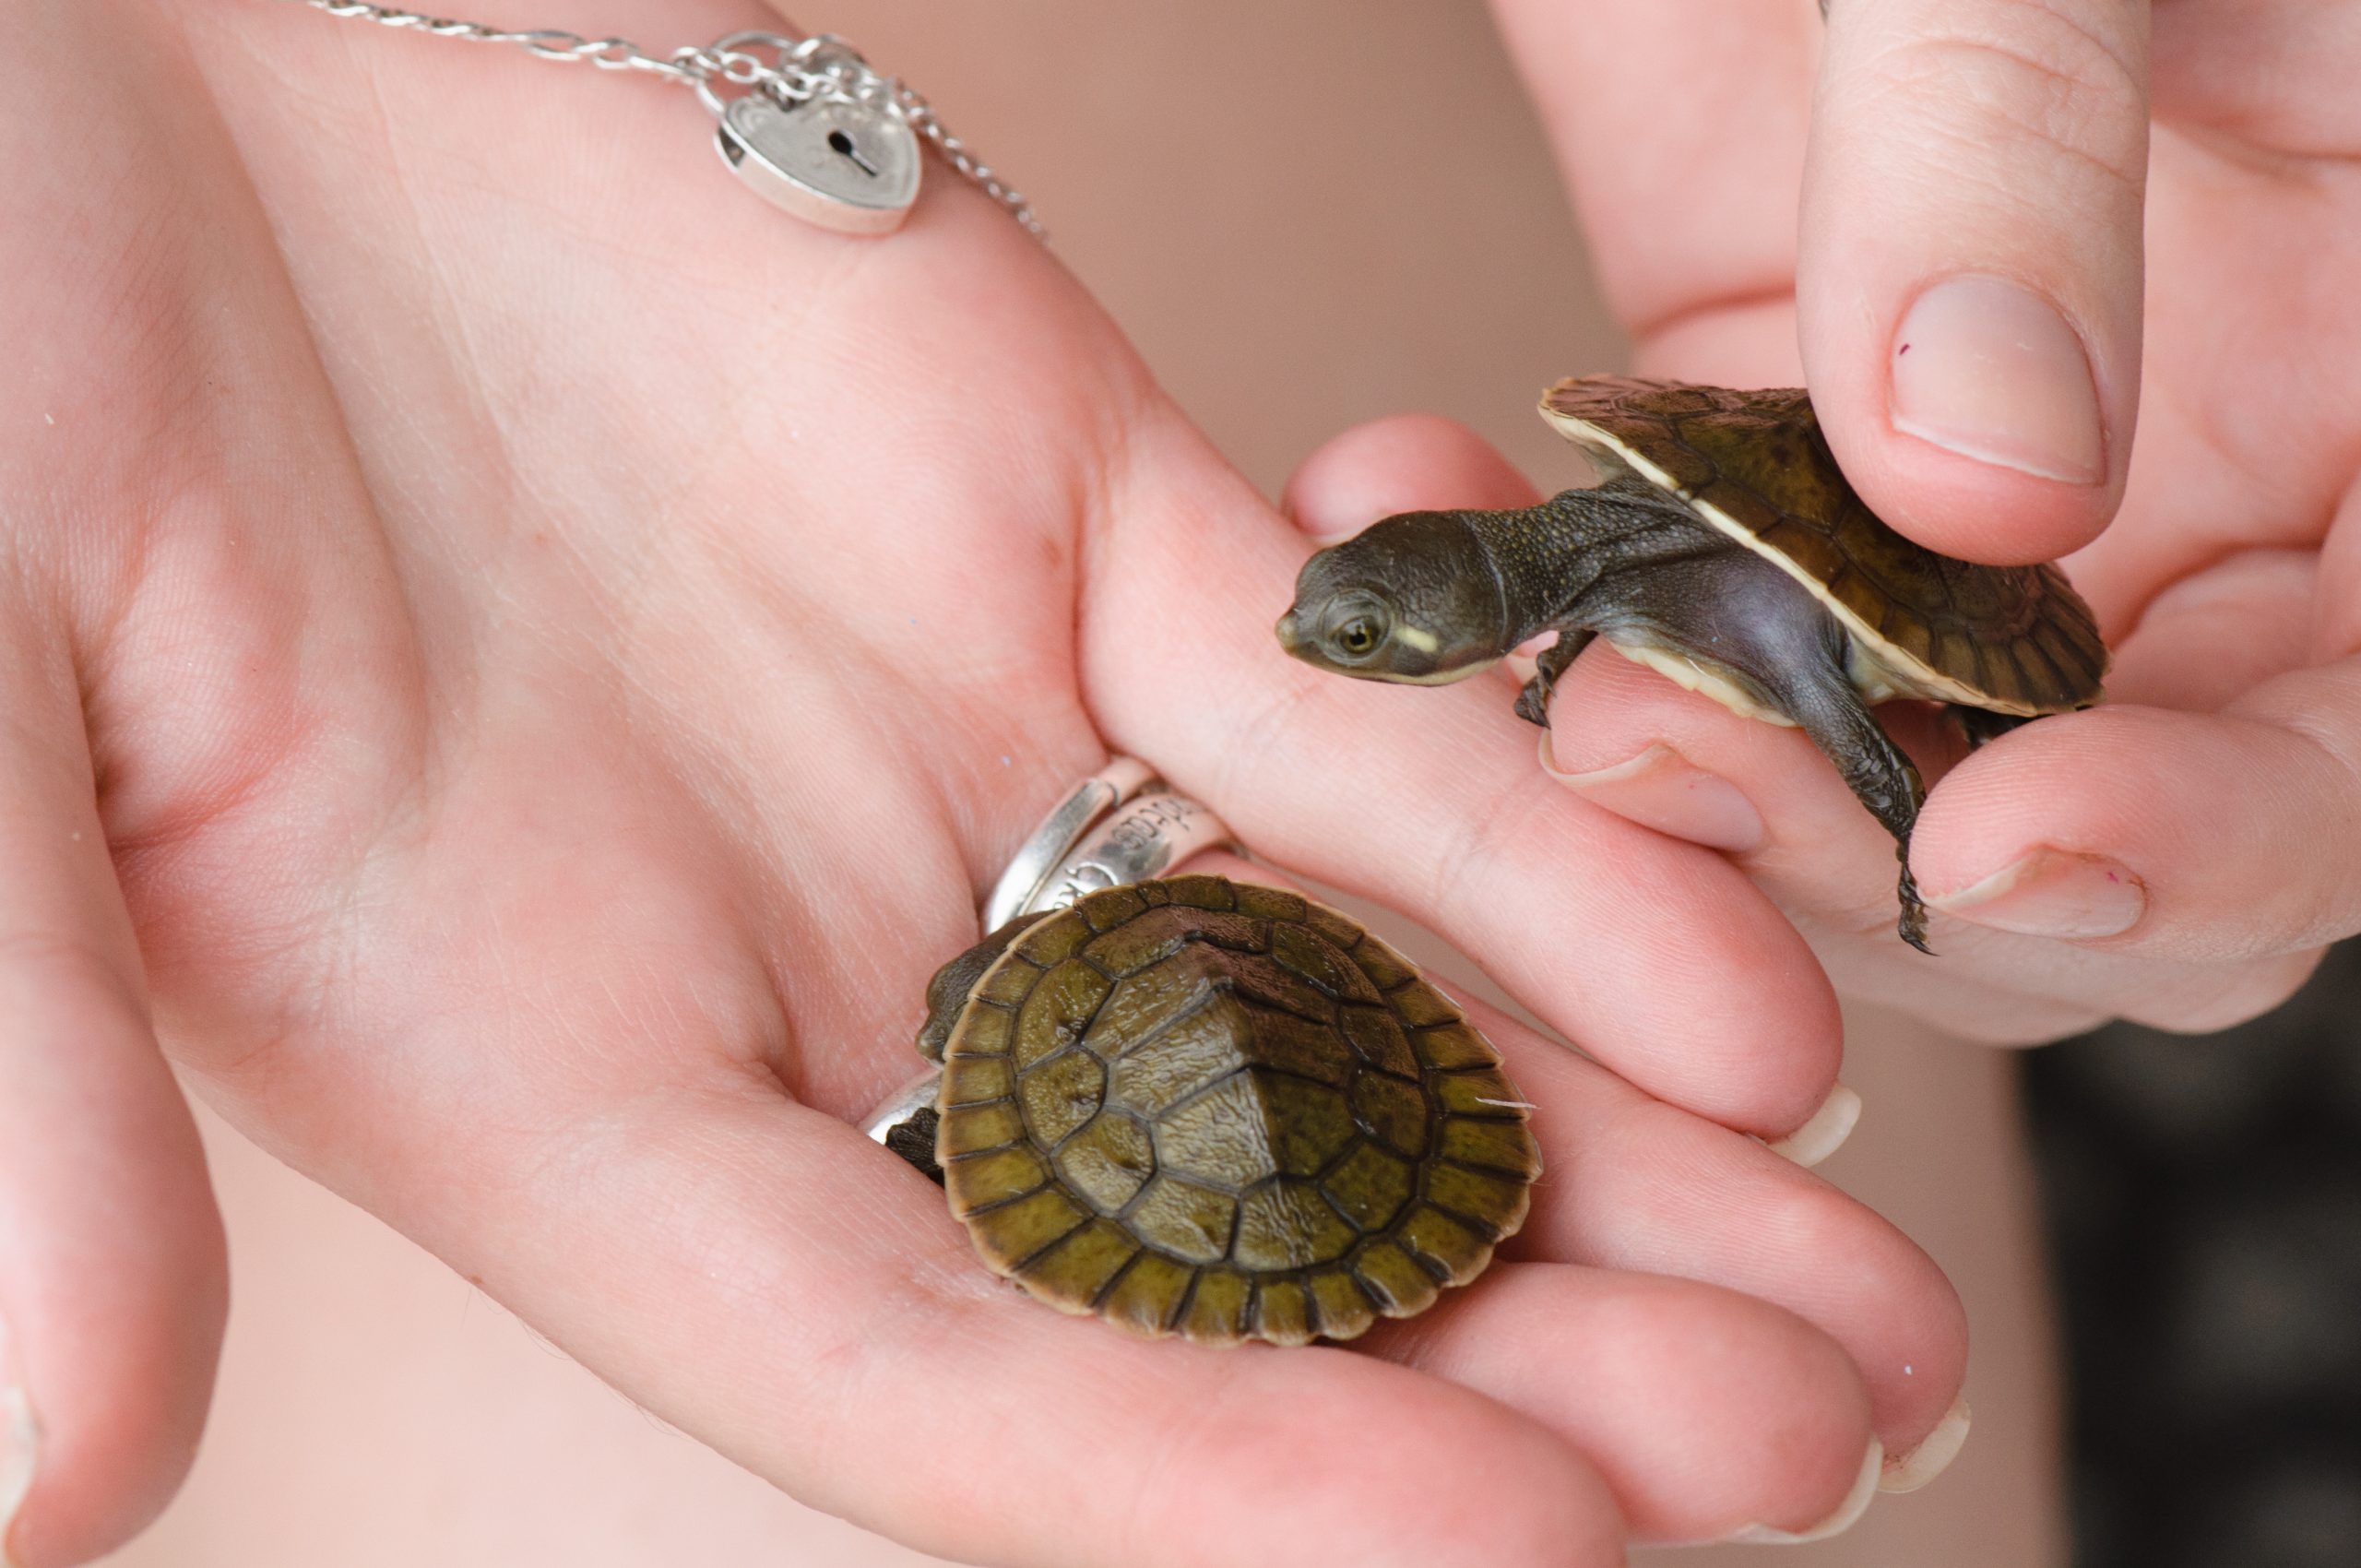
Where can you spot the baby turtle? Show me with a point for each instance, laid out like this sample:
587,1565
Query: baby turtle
1723,548
1203,1108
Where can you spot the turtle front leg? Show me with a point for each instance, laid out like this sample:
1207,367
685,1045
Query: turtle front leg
1532,703
947,994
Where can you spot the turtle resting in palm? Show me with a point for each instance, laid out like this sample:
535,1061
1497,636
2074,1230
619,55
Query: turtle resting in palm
1203,1108
1723,548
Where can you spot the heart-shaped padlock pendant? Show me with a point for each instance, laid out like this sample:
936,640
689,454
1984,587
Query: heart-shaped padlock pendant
842,166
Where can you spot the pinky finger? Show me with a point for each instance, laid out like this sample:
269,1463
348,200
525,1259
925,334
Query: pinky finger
112,1266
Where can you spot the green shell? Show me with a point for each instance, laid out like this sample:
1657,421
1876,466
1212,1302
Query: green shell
1204,1107
1754,464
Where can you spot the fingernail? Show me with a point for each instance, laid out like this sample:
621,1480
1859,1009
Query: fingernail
1663,790
1825,1132
1856,1502
18,1436
1934,1453
2053,893
1983,368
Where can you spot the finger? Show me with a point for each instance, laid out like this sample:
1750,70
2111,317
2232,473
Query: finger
1681,126
1630,1183
1709,1412
2214,635
1407,463
1626,740
2214,837
2021,843
2133,863
1968,283
112,1266
1658,956
1712,1414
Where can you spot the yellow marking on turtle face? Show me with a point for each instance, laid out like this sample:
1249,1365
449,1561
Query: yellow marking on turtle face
1904,674
1417,637
1440,678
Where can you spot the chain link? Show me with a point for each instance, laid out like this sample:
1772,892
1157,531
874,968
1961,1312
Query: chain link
814,66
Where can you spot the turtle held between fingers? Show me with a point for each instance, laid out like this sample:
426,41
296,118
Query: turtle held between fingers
1723,548
1204,1107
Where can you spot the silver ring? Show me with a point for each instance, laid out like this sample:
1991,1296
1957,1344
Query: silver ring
1041,856
1144,837
904,1106
1117,826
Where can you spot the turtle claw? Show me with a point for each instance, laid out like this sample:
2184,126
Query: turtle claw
1913,924
1532,703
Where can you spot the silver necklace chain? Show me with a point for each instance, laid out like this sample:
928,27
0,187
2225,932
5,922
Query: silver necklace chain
799,69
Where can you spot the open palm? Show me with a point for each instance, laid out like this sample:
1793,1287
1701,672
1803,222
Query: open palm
524,658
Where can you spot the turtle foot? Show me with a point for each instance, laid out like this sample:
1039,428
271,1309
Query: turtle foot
1913,924
1532,703
914,1141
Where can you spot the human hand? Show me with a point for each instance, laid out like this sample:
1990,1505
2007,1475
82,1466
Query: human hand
2180,855
525,659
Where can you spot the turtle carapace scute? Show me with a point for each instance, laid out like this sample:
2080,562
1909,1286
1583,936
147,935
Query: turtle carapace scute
1205,1107
1723,548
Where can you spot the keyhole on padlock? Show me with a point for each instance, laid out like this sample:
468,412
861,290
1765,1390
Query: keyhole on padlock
844,144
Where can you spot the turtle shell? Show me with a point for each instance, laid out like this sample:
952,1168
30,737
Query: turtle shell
1201,1107
2011,639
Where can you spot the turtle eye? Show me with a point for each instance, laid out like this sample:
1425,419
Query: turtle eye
1360,631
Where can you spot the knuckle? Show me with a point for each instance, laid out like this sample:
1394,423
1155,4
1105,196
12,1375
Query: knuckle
2021,77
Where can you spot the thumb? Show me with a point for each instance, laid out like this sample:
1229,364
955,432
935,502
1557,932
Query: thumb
1968,286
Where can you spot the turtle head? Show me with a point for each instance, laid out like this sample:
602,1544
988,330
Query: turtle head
947,994
1415,598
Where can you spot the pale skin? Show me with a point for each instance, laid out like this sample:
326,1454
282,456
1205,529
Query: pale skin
2181,855
518,663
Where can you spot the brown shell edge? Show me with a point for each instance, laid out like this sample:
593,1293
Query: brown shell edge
1482,1260
1923,680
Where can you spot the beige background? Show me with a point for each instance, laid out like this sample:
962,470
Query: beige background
1306,215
